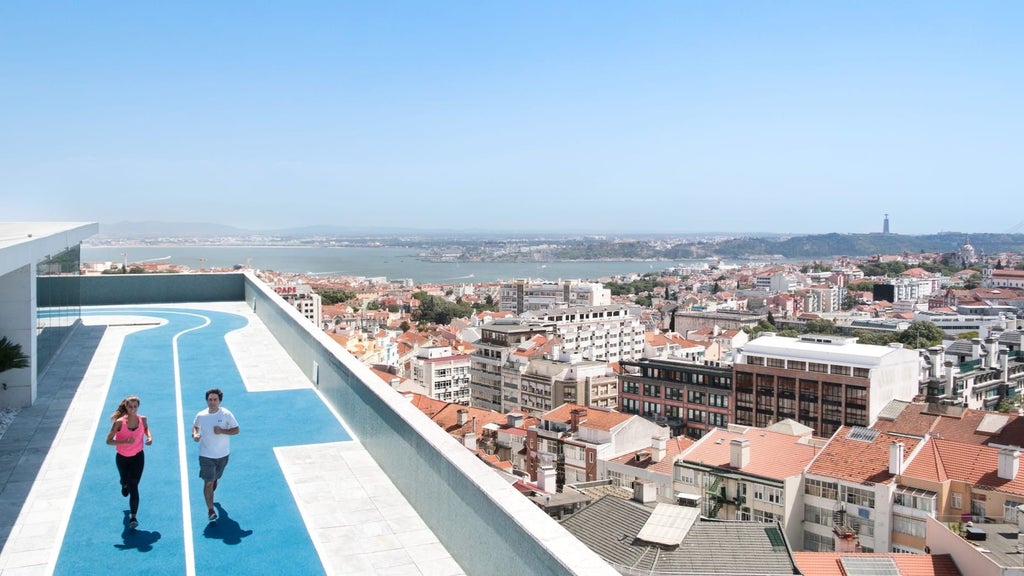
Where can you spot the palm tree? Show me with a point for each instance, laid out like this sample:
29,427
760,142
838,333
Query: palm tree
11,356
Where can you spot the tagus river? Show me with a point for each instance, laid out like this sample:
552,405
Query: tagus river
392,263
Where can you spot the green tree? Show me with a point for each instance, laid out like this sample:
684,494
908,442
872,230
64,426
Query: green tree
861,286
850,300
330,296
921,334
11,356
404,326
820,327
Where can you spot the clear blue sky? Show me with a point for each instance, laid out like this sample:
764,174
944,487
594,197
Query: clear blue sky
668,116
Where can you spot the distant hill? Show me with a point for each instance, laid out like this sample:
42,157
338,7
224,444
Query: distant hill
830,245
152,230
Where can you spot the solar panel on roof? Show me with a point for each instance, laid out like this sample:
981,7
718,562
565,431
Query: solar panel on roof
863,434
869,566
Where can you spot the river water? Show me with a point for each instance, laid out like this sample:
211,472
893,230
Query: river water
392,263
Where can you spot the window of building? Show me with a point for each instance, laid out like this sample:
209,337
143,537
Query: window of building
685,476
832,393
857,395
797,365
917,499
652,390
840,370
821,488
818,543
817,367
775,363
907,525
718,400
954,500
858,496
768,494
762,516
755,360
717,419
861,373
695,397
817,515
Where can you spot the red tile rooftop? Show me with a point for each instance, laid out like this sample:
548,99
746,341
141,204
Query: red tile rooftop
976,465
828,563
853,460
595,418
772,454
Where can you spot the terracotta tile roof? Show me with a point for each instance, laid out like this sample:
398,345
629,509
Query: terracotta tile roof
970,463
674,447
961,425
596,419
772,454
448,416
853,460
827,563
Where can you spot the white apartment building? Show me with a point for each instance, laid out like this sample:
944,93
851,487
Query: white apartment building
443,376
776,283
302,297
744,473
498,341
607,333
821,299
850,489
526,295
546,383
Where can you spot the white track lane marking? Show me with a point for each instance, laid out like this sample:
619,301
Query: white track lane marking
186,509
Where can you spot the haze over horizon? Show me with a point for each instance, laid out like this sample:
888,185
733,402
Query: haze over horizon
793,117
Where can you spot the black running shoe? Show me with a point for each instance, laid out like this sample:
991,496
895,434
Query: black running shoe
133,523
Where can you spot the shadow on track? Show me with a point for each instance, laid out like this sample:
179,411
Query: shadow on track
224,528
141,540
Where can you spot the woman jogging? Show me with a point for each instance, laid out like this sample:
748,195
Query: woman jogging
127,434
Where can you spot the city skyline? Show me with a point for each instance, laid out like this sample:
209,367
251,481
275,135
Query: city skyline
795,117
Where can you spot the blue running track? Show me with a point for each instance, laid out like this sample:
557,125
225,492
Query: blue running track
260,530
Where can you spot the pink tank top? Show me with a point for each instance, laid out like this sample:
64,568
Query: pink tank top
136,435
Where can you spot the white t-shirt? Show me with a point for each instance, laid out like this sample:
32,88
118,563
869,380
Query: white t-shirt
213,445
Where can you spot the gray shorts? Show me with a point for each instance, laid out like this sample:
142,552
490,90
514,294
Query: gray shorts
211,469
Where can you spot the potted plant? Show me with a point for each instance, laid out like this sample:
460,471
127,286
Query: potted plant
11,356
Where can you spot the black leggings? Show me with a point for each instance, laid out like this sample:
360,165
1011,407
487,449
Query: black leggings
130,468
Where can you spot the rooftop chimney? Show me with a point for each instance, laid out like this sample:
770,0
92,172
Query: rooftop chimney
935,367
949,379
896,454
644,492
469,440
658,447
577,416
992,343
462,416
515,420
1009,463
739,452
546,478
